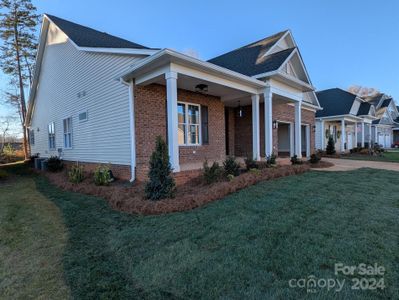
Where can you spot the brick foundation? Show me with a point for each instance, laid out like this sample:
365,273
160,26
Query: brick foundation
119,171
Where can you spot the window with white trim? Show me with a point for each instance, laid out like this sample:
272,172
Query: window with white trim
51,136
83,116
188,123
67,124
31,133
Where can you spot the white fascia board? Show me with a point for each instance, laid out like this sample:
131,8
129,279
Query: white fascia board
38,63
315,107
129,51
339,118
275,44
194,63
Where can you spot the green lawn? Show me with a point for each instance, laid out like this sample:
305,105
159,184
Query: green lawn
389,156
56,244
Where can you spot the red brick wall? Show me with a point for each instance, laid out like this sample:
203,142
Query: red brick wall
281,112
150,121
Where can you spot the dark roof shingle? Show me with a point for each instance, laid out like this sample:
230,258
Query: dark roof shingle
87,37
251,60
335,102
364,109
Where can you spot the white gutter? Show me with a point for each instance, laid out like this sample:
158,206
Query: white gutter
130,85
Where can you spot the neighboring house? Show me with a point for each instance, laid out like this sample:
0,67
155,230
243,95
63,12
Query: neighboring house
387,122
97,98
353,121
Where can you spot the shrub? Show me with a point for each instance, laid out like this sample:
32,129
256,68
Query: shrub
8,152
230,177
330,146
75,174
250,163
314,158
295,160
212,173
162,184
271,160
54,164
255,171
3,174
102,175
231,167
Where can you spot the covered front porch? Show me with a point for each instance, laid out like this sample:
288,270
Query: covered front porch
203,110
347,132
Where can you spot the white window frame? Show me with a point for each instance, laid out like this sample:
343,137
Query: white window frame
87,116
186,104
32,137
53,136
64,133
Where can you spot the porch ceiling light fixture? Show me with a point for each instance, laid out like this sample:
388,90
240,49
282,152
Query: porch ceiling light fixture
201,88
275,124
240,112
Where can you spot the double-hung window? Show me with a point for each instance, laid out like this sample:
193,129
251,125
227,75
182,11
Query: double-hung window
31,136
189,124
67,124
51,136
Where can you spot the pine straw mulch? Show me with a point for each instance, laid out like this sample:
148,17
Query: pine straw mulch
129,198
322,165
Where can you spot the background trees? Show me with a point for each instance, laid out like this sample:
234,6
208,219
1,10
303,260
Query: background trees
18,22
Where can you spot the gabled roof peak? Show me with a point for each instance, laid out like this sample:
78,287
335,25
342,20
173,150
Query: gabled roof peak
84,36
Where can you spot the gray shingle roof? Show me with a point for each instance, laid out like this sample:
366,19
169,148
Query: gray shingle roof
386,102
87,37
335,102
250,60
364,109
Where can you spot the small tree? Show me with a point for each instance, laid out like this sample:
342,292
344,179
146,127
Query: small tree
330,146
161,184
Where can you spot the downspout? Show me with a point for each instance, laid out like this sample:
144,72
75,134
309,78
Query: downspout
130,85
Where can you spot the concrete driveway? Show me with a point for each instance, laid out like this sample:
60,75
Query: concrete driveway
349,164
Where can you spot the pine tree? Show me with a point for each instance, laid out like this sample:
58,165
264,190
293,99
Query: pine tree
161,184
330,146
18,21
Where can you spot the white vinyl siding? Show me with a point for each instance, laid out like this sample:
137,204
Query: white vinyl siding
73,81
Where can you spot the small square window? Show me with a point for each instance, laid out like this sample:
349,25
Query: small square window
83,116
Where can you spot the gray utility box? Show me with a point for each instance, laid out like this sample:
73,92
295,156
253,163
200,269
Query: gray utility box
44,164
38,163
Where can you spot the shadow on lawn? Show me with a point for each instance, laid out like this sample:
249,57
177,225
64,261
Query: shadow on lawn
247,245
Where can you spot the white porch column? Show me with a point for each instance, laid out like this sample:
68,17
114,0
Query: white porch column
362,141
255,128
298,129
343,135
356,134
323,134
171,100
375,134
268,122
370,135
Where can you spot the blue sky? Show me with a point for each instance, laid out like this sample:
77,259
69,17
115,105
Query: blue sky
342,42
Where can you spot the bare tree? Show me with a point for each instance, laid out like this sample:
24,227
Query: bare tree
5,130
363,91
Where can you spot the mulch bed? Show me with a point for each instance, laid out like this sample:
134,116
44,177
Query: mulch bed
322,165
195,193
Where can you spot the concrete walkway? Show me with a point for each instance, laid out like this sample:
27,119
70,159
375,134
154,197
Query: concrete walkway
349,164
